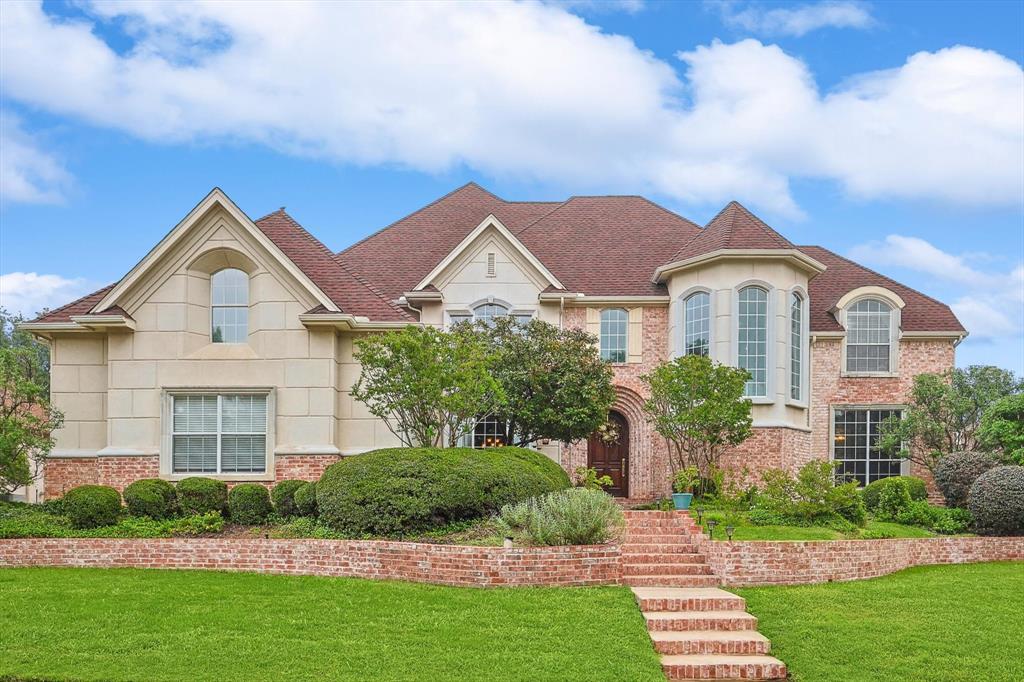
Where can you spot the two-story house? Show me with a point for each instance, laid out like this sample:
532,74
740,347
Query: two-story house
227,351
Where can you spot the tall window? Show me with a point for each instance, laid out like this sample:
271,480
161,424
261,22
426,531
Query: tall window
868,336
614,326
855,446
752,337
229,300
219,434
796,346
697,324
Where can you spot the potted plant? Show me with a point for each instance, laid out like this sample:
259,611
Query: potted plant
683,484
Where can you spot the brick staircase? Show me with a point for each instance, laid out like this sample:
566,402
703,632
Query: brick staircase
701,632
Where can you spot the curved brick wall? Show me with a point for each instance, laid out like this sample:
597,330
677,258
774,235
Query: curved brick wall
417,562
800,563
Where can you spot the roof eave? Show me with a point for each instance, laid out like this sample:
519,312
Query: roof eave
346,322
798,258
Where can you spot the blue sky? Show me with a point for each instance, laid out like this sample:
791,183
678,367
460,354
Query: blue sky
891,132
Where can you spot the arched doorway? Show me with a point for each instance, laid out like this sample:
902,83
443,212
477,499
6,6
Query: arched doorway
612,458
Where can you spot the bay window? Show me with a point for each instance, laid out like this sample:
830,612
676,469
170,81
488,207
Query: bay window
697,324
752,339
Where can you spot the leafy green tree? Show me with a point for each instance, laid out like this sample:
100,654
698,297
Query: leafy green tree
554,382
1002,428
429,386
944,413
698,407
27,420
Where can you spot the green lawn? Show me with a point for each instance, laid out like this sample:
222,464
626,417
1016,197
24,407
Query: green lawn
130,624
744,530
936,623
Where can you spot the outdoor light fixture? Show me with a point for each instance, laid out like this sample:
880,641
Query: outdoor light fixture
729,530
700,514
711,528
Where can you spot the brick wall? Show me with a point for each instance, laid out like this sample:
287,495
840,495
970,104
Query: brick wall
416,562
302,467
119,472
61,474
799,563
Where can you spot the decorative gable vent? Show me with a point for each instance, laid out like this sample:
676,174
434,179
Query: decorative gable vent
490,264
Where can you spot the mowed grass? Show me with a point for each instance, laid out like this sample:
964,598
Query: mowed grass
931,623
132,624
743,529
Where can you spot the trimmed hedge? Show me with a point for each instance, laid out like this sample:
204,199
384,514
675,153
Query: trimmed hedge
200,495
152,497
92,506
249,503
996,501
957,472
305,499
283,496
406,490
873,491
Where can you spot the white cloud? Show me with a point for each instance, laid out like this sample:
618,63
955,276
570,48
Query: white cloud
29,293
795,21
990,304
28,174
526,90
600,6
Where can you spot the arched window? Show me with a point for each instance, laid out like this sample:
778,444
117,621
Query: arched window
752,339
229,301
697,324
869,336
488,312
796,346
614,325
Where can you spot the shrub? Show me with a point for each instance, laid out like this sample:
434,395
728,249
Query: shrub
996,501
152,497
576,516
91,506
810,498
249,504
893,500
283,496
199,495
950,520
1002,427
915,487
957,472
401,491
305,499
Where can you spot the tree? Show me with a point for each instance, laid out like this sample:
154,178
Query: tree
698,407
944,413
554,382
1002,428
27,420
429,386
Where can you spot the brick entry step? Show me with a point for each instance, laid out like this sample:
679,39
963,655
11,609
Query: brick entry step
702,632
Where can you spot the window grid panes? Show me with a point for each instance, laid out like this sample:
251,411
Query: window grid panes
752,338
489,433
796,346
229,302
697,325
855,446
614,326
488,312
868,336
219,434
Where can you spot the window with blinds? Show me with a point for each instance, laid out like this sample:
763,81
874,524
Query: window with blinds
219,434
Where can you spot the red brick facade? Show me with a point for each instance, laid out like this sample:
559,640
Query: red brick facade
302,467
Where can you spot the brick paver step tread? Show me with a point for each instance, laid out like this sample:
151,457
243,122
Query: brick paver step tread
712,635
671,580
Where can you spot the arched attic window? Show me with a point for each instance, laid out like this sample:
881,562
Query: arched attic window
229,306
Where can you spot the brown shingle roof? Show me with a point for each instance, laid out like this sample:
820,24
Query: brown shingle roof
733,228
921,314
80,306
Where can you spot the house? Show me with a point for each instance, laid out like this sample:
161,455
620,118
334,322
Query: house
227,351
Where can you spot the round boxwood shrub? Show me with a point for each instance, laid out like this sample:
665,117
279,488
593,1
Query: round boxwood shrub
873,491
249,503
957,472
92,506
407,490
283,497
200,495
305,499
996,501
152,497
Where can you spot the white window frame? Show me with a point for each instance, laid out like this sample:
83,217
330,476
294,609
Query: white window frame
681,336
246,305
167,437
470,311
805,349
770,342
904,465
895,317
625,336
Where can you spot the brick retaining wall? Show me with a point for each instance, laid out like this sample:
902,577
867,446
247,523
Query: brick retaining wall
417,562
800,563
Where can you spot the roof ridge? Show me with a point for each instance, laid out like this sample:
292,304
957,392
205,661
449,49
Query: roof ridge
772,230
417,212
667,210
530,224
280,210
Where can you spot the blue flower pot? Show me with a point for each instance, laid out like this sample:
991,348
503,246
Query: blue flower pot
682,500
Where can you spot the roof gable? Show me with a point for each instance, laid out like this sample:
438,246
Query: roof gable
734,228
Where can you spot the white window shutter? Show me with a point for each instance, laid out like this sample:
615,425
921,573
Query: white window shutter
635,345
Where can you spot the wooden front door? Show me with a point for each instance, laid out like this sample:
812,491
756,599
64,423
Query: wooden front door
612,459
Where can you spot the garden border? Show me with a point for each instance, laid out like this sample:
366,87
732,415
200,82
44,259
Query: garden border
794,562
458,565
